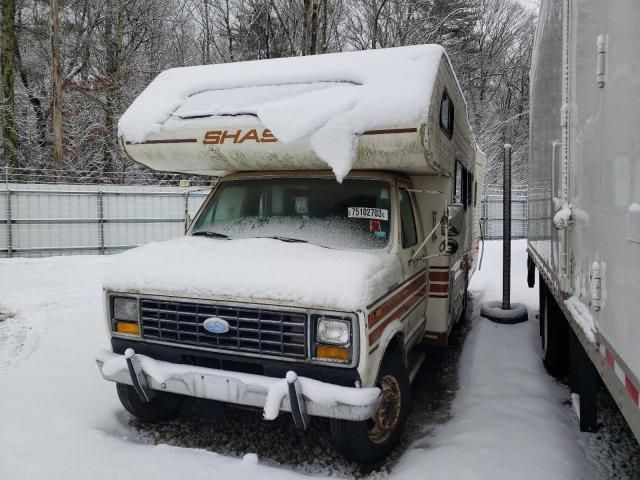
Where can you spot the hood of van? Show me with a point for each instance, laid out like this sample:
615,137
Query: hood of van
255,270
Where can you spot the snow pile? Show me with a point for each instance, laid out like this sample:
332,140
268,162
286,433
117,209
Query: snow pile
582,317
634,208
255,270
250,458
325,100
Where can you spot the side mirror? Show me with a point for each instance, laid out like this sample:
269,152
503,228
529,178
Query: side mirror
456,219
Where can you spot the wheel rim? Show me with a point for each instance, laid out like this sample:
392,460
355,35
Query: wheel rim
387,416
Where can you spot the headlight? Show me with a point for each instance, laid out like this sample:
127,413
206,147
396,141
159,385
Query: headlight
125,309
333,332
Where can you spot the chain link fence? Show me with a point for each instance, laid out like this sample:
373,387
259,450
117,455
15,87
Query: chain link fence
492,216
56,218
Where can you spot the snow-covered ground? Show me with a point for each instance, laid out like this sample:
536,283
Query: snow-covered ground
485,411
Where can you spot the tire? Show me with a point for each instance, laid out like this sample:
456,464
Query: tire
164,406
542,294
555,337
370,441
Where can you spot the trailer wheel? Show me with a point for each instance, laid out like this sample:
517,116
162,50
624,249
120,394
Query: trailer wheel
164,406
371,441
542,293
555,336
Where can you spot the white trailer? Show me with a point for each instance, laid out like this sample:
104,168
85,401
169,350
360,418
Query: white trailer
584,196
293,291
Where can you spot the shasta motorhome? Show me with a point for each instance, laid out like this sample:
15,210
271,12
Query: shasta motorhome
339,237
584,198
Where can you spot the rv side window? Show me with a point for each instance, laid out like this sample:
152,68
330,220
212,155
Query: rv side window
475,193
446,114
470,195
461,188
407,221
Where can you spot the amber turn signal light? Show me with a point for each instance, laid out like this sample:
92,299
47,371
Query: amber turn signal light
128,328
332,353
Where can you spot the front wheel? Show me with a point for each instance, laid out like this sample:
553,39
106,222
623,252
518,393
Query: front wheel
372,440
164,406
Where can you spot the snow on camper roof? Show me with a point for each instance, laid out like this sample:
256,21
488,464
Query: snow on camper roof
323,101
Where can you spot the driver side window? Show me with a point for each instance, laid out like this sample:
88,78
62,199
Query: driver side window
407,220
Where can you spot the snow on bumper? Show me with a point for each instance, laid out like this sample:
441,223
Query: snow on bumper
321,399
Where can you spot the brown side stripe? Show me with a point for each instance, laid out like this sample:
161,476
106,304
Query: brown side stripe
380,312
393,130
168,140
416,298
439,276
439,288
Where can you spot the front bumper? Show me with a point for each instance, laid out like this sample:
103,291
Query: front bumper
320,399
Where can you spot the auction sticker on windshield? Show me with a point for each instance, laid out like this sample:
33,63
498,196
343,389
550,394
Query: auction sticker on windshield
369,213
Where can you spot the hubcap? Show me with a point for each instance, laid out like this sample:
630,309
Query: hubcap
388,414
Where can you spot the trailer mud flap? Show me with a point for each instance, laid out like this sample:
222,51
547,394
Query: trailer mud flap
583,380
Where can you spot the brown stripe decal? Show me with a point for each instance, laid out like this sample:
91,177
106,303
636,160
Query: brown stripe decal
393,130
415,298
438,288
400,296
168,140
439,276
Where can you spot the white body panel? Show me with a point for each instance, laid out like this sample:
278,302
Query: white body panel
585,153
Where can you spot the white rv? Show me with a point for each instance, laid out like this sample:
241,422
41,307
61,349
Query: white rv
584,198
339,237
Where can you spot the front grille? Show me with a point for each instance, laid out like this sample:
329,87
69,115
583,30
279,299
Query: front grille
252,330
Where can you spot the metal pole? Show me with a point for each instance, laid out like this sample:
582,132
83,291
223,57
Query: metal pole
506,230
100,223
186,211
9,223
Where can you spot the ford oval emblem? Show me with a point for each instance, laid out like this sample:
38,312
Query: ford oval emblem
216,325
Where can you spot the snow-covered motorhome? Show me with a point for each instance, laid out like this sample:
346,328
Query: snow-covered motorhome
584,196
340,237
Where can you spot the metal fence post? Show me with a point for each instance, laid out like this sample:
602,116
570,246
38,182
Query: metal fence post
9,223
187,218
100,222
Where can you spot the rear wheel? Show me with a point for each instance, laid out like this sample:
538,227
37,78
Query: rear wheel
164,406
371,441
555,336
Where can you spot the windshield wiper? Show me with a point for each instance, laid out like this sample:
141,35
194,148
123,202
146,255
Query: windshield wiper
206,233
286,239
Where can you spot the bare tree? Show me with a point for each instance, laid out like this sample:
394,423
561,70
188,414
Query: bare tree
7,109
56,85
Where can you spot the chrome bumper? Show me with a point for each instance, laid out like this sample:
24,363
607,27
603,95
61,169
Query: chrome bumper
273,395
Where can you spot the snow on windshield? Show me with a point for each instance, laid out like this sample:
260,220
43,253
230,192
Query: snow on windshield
356,92
354,215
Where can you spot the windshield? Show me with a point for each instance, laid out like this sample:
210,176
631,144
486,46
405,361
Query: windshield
354,215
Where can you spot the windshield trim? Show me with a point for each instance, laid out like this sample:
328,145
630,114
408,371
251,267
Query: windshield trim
388,177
